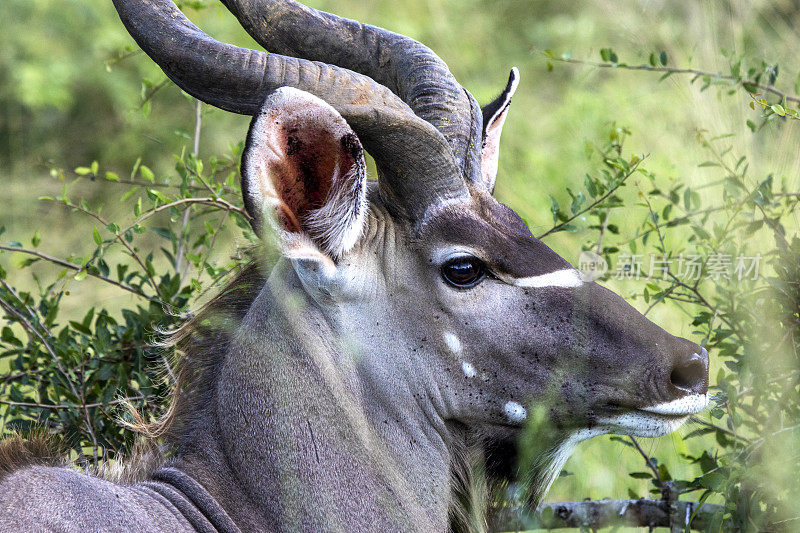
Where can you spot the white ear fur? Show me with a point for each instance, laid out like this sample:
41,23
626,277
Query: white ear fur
490,153
297,146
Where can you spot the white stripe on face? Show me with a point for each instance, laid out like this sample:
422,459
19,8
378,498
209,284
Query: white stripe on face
568,277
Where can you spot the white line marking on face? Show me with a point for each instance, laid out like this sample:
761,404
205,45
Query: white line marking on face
515,412
452,342
568,277
468,369
688,405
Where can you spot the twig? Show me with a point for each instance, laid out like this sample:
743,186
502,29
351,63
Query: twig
198,118
603,513
64,406
673,70
153,90
121,238
702,422
75,266
591,206
647,460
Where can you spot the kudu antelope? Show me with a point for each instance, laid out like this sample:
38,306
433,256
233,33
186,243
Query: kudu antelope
411,324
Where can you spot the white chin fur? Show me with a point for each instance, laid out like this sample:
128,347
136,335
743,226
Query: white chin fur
656,420
688,405
642,424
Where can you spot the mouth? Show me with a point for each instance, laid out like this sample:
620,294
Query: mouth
656,420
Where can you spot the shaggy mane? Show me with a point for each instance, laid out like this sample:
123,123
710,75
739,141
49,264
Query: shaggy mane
201,344
39,449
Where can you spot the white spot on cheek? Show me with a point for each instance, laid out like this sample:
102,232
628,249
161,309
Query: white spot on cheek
568,277
468,369
515,412
452,342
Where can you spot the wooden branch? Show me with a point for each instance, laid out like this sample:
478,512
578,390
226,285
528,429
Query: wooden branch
603,513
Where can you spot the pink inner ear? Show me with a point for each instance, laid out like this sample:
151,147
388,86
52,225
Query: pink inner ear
490,154
307,170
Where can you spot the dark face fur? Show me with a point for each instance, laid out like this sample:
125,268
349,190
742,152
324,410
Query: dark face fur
516,331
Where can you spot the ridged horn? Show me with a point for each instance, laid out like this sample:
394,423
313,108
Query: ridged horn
408,68
417,167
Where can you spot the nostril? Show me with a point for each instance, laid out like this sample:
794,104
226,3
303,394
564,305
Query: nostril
690,374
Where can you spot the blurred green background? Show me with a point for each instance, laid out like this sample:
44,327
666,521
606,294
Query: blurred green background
71,93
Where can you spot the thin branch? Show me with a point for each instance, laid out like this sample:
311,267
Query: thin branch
597,202
153,90
604,513
121,238
673,70
647,460
65,406
76,267
715,427
198,123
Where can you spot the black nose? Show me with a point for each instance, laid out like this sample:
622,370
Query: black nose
690,372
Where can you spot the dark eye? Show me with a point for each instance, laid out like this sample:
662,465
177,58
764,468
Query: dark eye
464,272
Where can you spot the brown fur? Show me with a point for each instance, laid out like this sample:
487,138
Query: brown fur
39,448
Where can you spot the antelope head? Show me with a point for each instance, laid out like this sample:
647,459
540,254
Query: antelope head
459,318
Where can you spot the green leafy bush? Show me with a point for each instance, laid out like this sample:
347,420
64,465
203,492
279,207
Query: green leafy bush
68,375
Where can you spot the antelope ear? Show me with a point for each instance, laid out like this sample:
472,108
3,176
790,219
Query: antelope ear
494,115
303,172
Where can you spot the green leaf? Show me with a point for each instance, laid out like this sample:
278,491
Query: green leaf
554,209
653,60
37,238
663,58
112,176
81,275
608,55
147,173
95,167
130,192
778,110
96,235
83,171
